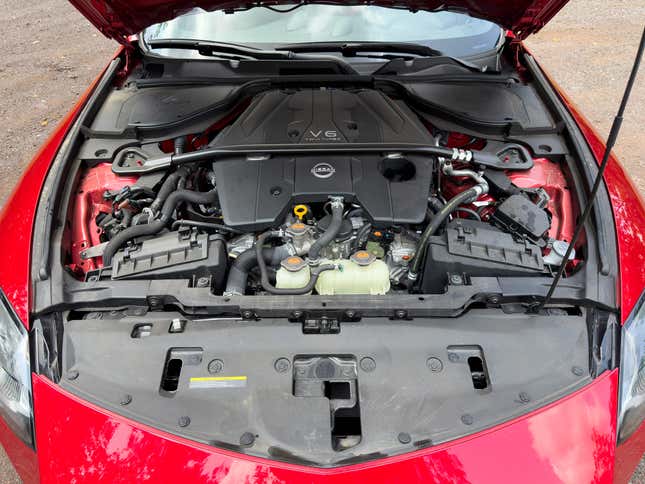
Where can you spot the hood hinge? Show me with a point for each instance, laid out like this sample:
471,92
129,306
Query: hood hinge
128,56
516,47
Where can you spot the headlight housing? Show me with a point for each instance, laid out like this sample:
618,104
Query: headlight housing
631,399
15,374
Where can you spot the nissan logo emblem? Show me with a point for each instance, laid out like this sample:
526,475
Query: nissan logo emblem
323,170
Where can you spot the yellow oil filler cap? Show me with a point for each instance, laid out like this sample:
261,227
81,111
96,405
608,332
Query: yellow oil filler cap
300,211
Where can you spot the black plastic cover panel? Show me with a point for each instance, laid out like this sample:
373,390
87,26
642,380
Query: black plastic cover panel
519,215
154,106
325,116
489,104
256,192
411,377
477,249
177,255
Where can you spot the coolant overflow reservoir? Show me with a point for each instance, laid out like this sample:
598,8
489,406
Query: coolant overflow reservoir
362,274
293,274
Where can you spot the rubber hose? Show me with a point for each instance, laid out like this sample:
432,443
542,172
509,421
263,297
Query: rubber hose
454,203
156,226
169,185
180,196
266,284
330,234
122,237
126,221
435,204
238,275
206,225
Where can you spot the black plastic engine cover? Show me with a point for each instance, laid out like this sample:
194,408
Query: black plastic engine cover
256,193
324,116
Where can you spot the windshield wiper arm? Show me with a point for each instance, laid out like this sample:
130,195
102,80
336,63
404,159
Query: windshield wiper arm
242,52
382,50
353,49
212,49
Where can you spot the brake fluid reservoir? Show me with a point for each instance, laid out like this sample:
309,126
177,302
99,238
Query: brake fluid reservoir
294,273
362,274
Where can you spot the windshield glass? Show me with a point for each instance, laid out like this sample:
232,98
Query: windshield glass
454,34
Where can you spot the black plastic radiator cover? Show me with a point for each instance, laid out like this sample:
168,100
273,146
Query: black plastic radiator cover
416,377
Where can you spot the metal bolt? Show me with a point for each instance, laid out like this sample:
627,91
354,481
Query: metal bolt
467,419
296,314
93,278
183,421
126,400
435,364
154,301
404,438
524,397
350,313
282,365
577,371
454,357
72,375
203,282
247,439
368,364
215,366
401,314
247,314
493,299
456,279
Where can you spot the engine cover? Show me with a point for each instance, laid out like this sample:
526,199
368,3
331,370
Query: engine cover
256,193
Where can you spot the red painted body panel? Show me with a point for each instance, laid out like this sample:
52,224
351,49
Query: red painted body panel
548,175
93,445
89,202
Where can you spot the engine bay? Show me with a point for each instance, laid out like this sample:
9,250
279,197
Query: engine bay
273,250
324,191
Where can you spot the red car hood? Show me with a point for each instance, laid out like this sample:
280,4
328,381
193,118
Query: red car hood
120,18
78,442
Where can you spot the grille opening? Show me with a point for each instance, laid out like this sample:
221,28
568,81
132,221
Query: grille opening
170,380
337,390
477,373
346,428
141,331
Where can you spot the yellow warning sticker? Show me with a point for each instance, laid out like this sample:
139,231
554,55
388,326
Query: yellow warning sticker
218,382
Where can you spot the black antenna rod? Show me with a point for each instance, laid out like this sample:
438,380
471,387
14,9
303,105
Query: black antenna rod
611,140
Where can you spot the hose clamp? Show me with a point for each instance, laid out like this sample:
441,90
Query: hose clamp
152,215
337,202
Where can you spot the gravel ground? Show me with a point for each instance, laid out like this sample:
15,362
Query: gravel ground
51,53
